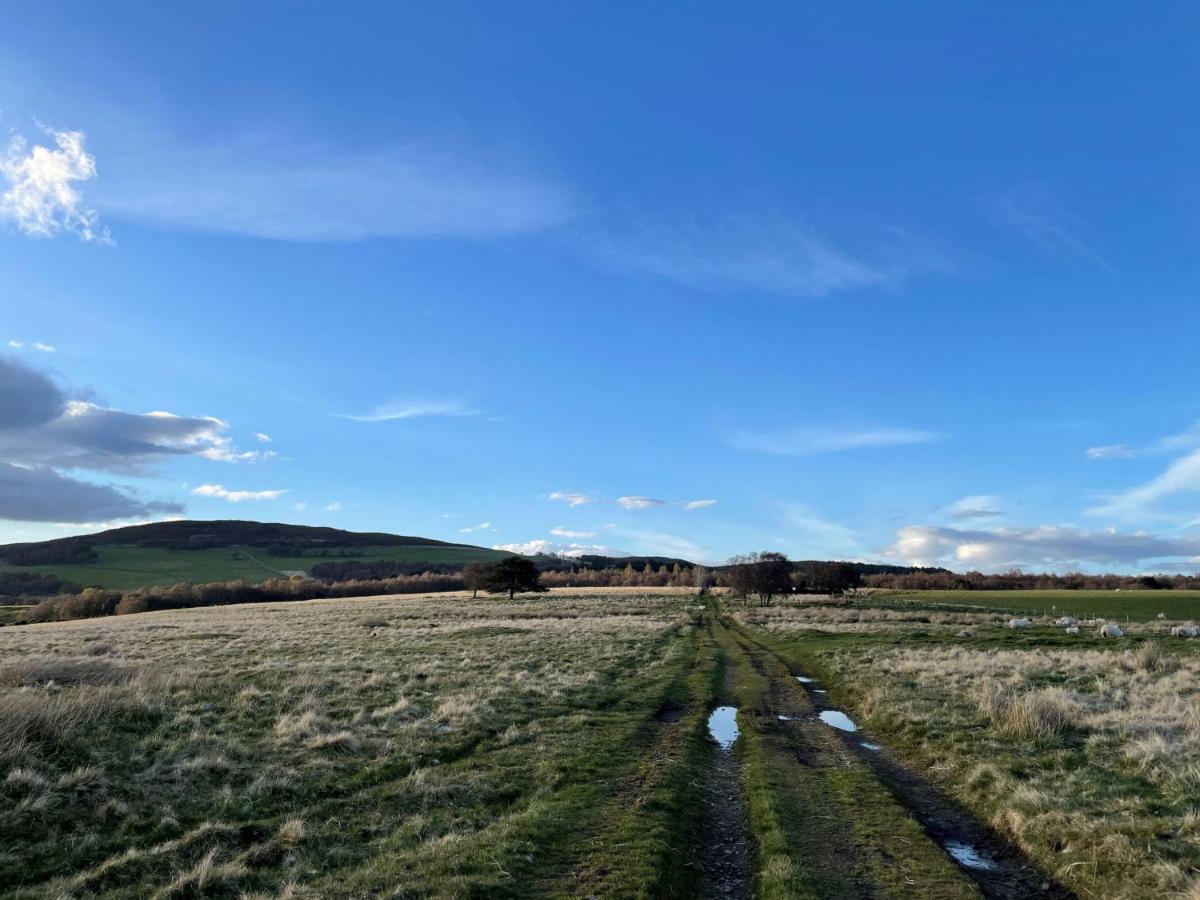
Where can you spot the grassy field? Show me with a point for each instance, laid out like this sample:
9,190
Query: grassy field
1084,752
408,747
1137,606
557,746
126,568
9,614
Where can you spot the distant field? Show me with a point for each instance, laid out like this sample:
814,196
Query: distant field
126,568
8,614
1138,606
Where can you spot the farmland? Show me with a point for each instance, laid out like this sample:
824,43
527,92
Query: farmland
557,746
126,568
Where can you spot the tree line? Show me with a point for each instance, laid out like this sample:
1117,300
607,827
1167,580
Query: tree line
1016,580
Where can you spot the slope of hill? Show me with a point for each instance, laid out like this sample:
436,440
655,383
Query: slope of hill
202,551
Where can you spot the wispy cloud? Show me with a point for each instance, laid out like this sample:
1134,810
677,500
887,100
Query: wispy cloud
1110,451
40,198
1035,214
574,535
262,438
333,506
482,526
640,502
808,441
629,501
572,498
413,409
814,536
1044,548
223,493
976,506
277,187
1187,439
1141,502
764,253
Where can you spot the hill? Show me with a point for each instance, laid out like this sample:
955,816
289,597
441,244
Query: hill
223,550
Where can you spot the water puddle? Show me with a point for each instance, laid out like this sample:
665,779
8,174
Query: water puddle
868,745
818,691
969,857
722,726
838,719
788,718
803,680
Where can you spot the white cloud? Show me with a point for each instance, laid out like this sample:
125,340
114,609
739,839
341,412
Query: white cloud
640,502
810,441
568,533
44,348
277,187
572,498
301,506
768,254
976,506
40,199
482,526
412,409
335,506
16,345
262,438
219,490
532,548
1048,547
699,504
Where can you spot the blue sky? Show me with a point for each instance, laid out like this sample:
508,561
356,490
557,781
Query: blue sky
888,284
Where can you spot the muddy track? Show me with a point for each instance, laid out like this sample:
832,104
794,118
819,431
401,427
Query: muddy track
1011,876
724,852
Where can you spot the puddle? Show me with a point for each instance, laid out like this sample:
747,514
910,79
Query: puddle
722,726
968,856
788,718
818,691
838,719
803,680
868,745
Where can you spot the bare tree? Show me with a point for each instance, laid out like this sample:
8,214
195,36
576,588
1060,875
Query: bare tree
475,577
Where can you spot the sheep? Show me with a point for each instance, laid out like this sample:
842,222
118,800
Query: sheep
1014,624
1066,621
1111,630
966,633
1185,631
1072,629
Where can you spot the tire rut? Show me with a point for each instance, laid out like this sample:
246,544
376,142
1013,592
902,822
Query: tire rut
1012,875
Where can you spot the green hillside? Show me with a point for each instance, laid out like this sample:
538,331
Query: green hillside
170,552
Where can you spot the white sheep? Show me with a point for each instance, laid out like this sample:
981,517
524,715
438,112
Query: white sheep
1066,621
1111,630
1185,631
1072,629
1019,623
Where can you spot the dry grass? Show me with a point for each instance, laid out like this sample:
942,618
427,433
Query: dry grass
160,743
1087,755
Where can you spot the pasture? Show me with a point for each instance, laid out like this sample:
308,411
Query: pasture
126,568
1132,605
557,746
